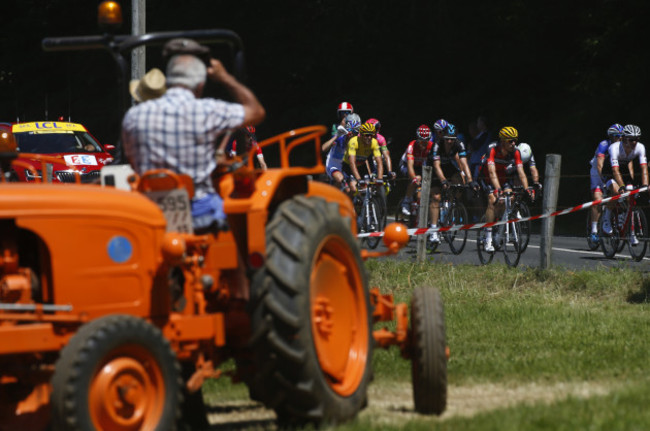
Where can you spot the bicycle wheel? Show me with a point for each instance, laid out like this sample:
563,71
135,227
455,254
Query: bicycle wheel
593,245
511,241
483,256
457,217
377,218
524,226
609,242
639,230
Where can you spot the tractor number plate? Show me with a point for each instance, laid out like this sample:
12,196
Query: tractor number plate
175,205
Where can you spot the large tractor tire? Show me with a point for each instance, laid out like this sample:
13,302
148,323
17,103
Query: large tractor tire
117,373
311,317
429,351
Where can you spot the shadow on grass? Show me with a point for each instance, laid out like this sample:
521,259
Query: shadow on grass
642,296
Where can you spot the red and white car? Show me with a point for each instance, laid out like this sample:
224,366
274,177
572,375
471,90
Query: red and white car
66,147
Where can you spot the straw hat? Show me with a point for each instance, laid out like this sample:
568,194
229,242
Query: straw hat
151,86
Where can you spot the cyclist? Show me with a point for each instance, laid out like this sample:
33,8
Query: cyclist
438,129
337,147
383,146
361,150
500,155
598,182
249,141
411,164
626,151
344,109
449,162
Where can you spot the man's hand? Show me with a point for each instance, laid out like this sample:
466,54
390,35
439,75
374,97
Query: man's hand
392,175
538,186
445,184
474,186
217,72
341,131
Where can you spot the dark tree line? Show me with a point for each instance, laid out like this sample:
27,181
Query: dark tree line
560,72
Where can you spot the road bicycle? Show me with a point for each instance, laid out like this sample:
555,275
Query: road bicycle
506,237
522,211
629,225
370,206
411,221
452,213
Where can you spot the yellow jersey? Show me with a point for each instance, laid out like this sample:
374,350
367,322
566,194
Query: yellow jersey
360,151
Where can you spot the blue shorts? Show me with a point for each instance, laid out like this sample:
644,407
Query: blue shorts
207,210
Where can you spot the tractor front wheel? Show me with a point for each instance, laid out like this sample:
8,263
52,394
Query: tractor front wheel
117,372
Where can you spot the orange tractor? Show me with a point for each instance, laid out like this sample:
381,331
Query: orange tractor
112,317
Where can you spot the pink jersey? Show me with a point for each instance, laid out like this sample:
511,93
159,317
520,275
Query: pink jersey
381,141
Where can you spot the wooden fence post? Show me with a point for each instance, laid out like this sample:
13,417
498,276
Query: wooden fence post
423,214
549,204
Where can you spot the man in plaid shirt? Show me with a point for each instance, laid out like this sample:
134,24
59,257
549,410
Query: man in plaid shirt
178,130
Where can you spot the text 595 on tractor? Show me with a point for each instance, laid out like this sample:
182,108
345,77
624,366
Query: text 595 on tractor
111,320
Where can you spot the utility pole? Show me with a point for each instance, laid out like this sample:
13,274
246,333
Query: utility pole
138,27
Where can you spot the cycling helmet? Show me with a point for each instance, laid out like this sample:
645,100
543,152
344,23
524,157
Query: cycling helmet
439,125
423,132
631,131
368,129
352,123
525,152
615,131
508,133
344,109
375,122
450,131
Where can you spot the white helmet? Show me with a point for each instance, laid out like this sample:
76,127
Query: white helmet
525,152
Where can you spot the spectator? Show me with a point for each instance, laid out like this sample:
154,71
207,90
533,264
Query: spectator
479,145
178,131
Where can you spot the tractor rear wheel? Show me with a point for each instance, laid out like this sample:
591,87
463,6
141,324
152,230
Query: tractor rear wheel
429,351
311,317
117,372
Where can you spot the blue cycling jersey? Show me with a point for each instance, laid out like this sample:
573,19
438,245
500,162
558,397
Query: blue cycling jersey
338,148
601,151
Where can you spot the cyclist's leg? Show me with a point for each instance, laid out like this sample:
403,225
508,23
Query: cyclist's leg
352,182
597,186
490,212
434,204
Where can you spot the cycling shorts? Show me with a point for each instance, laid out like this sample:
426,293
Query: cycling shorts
333,164
598,183
405,171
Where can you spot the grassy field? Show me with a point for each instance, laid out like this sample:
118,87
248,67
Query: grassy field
530,349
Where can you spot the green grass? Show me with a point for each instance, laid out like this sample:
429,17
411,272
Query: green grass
530,325
520,328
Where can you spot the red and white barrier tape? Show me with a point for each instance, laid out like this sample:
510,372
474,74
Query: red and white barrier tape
426,230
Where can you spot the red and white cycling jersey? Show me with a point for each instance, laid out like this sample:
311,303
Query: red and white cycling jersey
416,153
233,151
500,162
